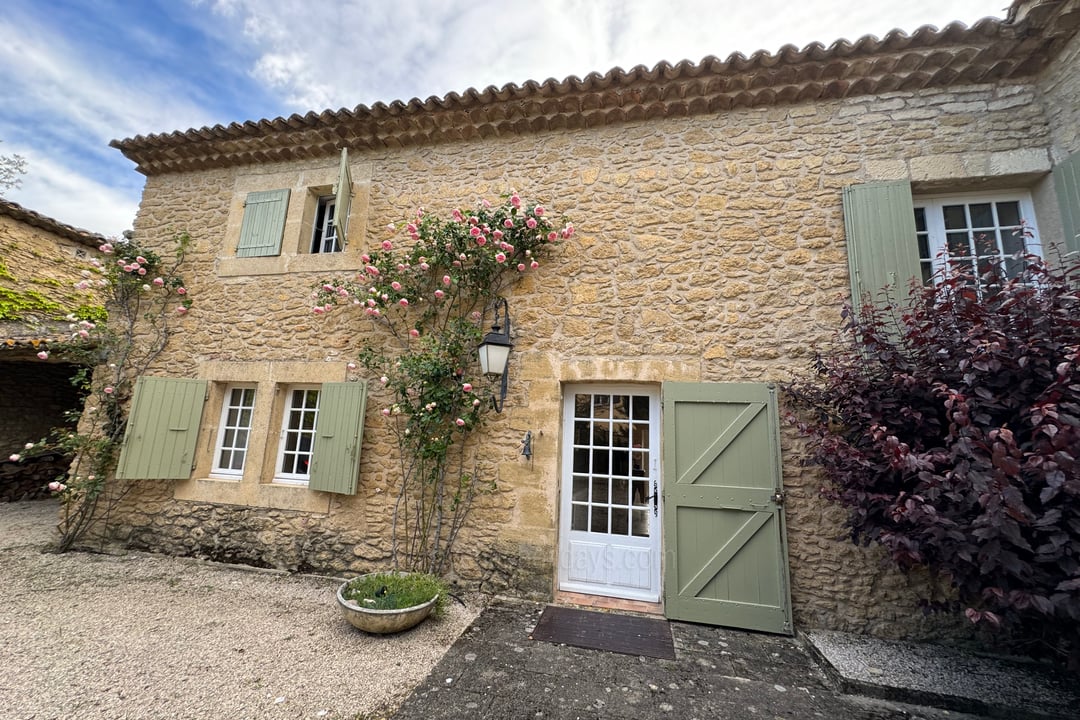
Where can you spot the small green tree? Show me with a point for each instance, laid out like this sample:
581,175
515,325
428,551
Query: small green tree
430,298
950,431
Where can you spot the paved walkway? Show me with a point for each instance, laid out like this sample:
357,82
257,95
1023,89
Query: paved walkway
495,671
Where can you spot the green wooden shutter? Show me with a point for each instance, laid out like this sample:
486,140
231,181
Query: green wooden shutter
264,223
336,453
882,249
162,429
343,198
1067,183
725,551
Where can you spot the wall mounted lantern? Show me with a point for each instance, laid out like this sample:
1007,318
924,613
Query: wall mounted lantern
495,350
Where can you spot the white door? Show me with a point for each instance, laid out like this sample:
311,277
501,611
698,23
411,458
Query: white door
609,532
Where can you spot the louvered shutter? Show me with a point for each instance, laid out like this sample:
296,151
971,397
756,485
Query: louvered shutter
162,429
338,437
264,223
1067,184
343,198
882,249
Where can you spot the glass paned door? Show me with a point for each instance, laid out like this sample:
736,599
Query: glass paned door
609,536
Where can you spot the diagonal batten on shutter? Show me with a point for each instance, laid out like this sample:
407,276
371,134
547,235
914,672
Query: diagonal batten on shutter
882,249
338,438
264,223
1067,184
342,198
162,429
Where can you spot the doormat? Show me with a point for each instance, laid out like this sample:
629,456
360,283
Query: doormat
627,634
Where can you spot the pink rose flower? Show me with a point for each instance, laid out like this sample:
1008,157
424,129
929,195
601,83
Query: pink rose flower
476,402
521,267
141,260
439,294
481,241
181,310
515,200
403,302
534,264
474,231
508,223
387,245
142,271
181,291
351,366
108,390
414,333
445,279
396,285
14,457
467,387
538,211
497,234
459,422
386,412
500,257
43,355
159,281
530,223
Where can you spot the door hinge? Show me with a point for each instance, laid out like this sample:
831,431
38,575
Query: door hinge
778,497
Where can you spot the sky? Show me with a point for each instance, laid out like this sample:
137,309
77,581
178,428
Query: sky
75,74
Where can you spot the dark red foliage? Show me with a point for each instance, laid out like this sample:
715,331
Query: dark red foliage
950,430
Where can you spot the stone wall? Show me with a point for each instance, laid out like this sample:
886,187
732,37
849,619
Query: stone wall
710,248
1060,86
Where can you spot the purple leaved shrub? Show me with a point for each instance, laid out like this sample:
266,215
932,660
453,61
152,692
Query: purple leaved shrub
949,429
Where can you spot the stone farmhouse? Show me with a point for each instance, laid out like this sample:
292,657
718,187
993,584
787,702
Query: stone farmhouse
41,261
726,210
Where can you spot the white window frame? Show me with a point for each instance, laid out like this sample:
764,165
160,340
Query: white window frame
296,478
224,427
324,237
932,206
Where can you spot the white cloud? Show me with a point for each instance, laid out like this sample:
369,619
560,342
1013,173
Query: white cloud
365,51
59,191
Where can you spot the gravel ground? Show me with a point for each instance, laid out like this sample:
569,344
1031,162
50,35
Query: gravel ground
146,636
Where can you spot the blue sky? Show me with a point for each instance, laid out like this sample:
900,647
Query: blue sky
75,74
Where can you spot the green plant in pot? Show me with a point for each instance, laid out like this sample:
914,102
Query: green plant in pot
389,602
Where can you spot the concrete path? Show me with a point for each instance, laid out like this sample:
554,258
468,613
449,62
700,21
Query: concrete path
495,671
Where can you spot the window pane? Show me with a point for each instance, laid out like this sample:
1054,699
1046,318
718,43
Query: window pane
641,465
238,460
640,526
982,215
582,405
620,462
620,492
601,434
580,518
641,492
1013,241
955,217
581,488
959,244
581,461
920,219
225,461
1008,214
601,406
600,462
228,439
620,406
927,272
620,435
620,520
599,520
641,407
924,247
600,490
581,432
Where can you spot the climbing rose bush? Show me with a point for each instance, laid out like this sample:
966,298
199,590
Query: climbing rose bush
429,288
950,431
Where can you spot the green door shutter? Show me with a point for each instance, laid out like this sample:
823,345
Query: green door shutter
162,429
1067,184
264,223
725,553
336,453
343,198
879,219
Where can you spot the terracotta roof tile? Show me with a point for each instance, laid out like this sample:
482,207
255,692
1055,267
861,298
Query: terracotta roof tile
990,50
69,232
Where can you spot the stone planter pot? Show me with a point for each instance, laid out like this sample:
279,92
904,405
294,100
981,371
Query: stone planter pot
383,622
